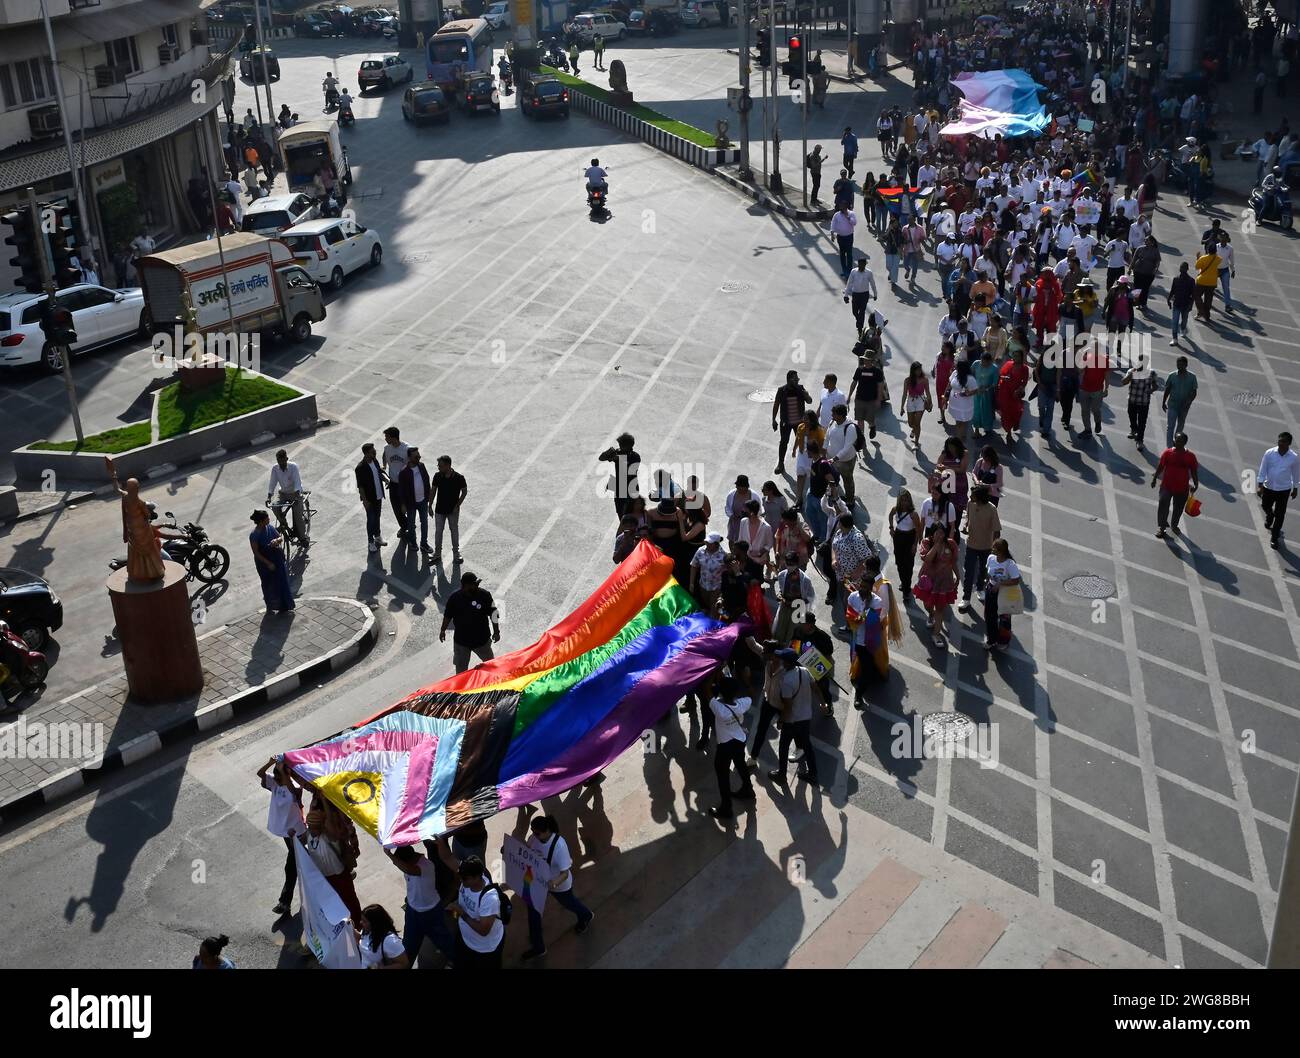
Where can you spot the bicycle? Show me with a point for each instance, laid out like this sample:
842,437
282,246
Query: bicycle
288,541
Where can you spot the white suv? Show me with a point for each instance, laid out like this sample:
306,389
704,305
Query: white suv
498,15
100,316
329,249
590,26
276,213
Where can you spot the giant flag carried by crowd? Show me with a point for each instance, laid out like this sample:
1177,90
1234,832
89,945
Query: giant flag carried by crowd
531,723
998,101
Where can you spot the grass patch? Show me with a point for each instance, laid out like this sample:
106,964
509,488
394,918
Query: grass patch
651,117
109,443
181,412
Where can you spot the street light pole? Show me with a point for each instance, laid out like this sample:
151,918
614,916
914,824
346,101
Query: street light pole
746,173
774,181
261,50
83,238
803,110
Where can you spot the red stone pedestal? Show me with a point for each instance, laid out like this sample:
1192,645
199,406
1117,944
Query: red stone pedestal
160,652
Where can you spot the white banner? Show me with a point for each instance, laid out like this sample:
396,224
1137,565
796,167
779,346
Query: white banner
252,289
527,872
326,924
1087,211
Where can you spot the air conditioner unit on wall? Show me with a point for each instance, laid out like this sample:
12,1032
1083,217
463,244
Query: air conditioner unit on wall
45,121
168,52
110,75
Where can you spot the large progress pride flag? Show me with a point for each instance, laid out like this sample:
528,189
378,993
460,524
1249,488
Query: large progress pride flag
529,724
994,101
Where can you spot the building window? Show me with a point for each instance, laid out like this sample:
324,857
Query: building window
121,52
170,36
26,82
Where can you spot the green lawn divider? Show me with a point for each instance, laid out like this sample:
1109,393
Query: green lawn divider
651,117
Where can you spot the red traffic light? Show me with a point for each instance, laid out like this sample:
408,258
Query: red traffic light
794,43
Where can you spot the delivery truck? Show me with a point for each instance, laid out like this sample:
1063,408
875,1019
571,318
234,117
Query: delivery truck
310,146
260,286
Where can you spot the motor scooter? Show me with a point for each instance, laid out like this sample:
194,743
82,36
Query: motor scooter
1278,211
21,668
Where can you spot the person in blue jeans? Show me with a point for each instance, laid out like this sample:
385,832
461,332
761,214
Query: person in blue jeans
842,225
1180,391
546,840
416,491
1181,297
424,914
850,144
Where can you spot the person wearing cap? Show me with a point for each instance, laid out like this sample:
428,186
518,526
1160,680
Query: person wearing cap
796,720
734,508
470,610
706,572
729,707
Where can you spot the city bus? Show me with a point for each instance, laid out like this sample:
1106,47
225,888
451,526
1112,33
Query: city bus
459,48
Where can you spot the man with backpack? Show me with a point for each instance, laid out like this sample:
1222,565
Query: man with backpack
424,915
546,839
843,443
481,911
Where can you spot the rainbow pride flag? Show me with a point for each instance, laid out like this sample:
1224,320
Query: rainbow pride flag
531,723
893,198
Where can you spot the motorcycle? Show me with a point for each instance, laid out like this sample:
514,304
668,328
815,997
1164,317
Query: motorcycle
555,57
597,199
331,99
1278,211
21,668
345,116
204,561
504,76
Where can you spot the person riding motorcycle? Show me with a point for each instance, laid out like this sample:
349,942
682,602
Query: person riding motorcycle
345,104
596,176
330,86
1269,187
503,71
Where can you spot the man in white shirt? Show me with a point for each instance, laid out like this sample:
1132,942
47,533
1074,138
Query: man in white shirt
286,478
859,289
830,397
1063,237
729,709
1115,252
796,716
424,915
926,176
1126,207
840,438
1279,476
1138,232
394,461
843,224
1083,245
1227,269
478,918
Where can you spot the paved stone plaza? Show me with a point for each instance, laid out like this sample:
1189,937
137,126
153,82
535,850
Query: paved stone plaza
1148,744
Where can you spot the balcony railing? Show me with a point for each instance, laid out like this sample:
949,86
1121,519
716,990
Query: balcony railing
141,97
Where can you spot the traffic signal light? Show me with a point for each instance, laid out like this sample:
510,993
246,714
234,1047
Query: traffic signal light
26,249
59,222
764,47
56,323
794,67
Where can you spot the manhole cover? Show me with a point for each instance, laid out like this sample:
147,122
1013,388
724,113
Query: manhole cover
1089,586
763,396
733,287
947,727
1253,400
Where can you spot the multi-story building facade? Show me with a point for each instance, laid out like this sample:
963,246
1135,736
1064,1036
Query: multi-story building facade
142,88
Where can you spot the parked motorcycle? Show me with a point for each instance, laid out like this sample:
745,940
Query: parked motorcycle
204,561
21,668
1276,212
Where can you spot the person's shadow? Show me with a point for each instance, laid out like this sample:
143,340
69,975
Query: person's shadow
268,650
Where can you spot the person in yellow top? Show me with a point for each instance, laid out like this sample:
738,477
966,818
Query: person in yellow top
1207,278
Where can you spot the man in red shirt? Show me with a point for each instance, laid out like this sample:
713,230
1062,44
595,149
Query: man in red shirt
1177,468
1094,384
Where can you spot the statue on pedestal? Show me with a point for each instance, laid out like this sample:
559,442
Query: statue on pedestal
618,84
144,562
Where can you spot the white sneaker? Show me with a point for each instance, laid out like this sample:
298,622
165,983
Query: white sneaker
382,542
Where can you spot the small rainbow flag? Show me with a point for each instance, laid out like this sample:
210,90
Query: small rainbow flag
531,723
893,198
